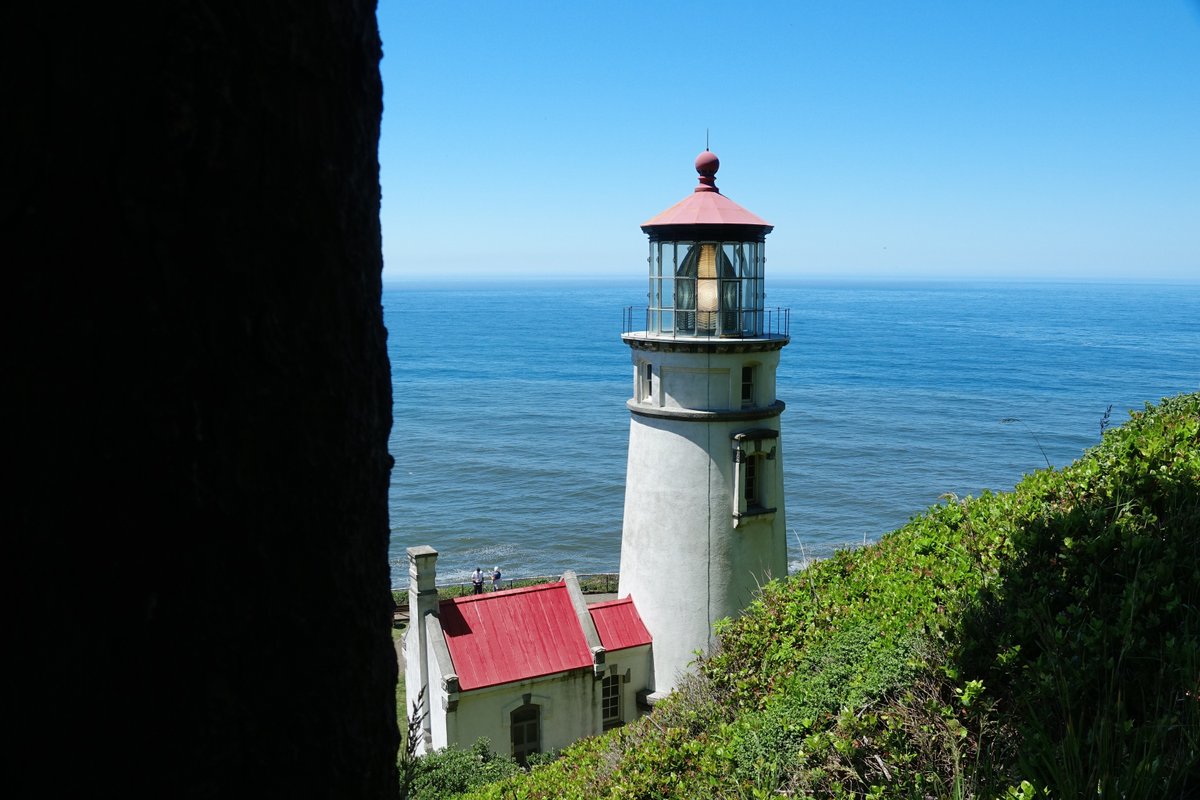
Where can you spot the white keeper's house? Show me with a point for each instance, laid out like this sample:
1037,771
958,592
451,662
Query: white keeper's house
537,668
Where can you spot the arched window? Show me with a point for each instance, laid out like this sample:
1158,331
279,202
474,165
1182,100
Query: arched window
526,727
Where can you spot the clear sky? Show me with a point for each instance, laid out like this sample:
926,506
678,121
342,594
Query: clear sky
1023,139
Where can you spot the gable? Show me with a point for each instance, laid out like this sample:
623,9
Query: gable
619,624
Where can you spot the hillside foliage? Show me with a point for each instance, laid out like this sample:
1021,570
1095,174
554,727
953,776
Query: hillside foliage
1043,642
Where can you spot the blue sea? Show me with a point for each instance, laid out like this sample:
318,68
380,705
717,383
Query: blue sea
510,424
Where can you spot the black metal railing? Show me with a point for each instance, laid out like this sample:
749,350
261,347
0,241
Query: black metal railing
666,321
590,583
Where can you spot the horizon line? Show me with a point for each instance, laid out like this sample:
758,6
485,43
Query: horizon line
816,277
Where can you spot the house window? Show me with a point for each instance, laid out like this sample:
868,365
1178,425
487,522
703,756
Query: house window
526,727
747,387
610,701
647,382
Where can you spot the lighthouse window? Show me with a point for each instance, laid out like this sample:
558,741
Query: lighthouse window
645,382
754,452
747,387
752,482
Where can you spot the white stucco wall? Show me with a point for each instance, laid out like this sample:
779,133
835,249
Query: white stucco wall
412,668
632,663
706,381
683,561
439,717
422,602
441,689
568,712
570,705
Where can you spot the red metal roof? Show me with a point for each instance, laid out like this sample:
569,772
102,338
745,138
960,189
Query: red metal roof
619,624
705,208
513,635
706,205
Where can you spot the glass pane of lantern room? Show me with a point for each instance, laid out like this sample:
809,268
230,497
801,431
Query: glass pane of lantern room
661,258
759,258
655,285
760,295
668,301
738,258
731,290
684,297
746,286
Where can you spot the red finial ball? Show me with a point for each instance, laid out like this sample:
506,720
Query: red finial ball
707,163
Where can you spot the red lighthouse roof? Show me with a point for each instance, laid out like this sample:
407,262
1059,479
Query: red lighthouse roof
706,205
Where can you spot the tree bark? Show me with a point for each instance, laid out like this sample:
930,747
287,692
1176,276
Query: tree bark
198,401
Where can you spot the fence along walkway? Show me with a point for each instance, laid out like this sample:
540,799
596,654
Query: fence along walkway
591,583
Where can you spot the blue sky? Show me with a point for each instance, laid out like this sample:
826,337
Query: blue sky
1050,139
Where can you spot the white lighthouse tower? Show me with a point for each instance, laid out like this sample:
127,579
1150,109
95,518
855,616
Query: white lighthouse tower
704,518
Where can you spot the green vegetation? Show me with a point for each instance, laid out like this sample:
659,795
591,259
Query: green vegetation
449,771
1043,642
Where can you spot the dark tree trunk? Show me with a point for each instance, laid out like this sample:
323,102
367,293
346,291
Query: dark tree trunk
197,401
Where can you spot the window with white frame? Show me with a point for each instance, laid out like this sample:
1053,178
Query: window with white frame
754,459
747,386
646,382
610,700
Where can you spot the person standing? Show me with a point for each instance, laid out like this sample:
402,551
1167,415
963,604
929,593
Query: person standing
477,581
496,579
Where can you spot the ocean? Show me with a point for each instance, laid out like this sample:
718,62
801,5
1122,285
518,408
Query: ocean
510,426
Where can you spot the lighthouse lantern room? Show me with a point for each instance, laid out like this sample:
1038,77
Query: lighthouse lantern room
704,521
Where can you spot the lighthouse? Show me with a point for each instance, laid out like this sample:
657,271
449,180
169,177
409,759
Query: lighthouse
704,522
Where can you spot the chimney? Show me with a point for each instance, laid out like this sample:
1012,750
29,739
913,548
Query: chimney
422,601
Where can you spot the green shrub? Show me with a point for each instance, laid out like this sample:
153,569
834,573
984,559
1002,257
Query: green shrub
849,670
1043,642
1093,628
914,582
451,771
